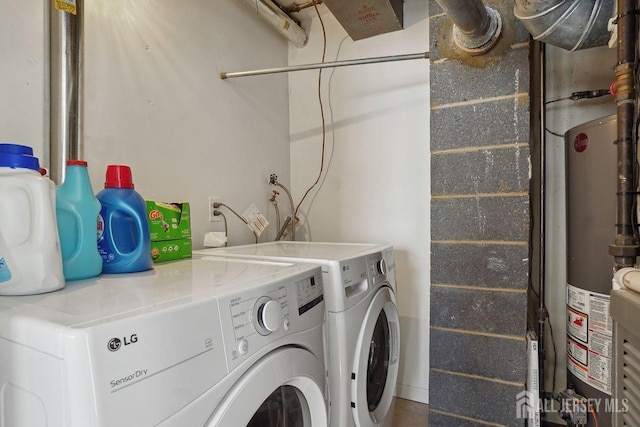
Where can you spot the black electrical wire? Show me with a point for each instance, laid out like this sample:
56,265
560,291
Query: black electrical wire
555,354
554,133
324,130
584,94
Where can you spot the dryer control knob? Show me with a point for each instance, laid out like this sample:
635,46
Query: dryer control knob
270,315
381,267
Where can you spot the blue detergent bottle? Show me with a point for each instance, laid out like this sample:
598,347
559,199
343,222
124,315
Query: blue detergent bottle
123,228
77,212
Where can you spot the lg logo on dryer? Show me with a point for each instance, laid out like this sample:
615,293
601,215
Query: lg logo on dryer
114,344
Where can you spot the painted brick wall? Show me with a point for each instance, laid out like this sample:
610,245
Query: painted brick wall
480,225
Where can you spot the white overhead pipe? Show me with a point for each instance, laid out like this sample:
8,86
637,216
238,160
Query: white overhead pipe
286,26
345,63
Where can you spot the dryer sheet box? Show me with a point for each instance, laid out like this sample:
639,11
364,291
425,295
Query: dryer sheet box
170,230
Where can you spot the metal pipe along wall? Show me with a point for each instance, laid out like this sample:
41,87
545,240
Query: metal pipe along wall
625,248
65,77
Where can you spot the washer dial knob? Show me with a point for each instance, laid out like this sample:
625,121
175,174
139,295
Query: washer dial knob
381,267
269,315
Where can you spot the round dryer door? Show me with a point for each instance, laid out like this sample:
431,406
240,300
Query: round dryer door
285,388
376,361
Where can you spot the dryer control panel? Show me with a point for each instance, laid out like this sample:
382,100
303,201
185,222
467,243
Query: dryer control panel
309,293
264,314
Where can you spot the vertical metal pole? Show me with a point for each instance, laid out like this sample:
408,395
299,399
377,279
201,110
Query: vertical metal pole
538,315
65,50
543,315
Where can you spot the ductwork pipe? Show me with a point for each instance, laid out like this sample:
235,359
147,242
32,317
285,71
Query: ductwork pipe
280,21
65,62
569,24
476,27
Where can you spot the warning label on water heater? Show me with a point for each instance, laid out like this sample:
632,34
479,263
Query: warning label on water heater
589,337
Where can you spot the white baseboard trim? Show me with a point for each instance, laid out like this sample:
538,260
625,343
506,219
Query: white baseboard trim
417,394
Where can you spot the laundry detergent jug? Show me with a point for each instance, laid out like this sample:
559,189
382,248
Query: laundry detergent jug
123,229
77,212
30,258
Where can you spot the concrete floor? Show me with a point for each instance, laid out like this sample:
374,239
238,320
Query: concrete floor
410,414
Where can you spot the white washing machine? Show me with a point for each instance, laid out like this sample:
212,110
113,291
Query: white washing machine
202,342
362,336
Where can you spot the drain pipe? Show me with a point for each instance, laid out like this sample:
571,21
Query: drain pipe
65,62
625,248
476,27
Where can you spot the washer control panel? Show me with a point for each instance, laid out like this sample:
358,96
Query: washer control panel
377,267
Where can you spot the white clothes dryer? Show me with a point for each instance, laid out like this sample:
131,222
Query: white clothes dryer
201,342
362,336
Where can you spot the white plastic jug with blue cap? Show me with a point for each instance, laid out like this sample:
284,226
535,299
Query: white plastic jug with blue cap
30,258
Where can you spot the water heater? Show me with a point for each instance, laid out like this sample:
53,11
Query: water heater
591,167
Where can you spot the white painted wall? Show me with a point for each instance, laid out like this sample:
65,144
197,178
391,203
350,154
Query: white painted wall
567,72
154,101
376,182
23,69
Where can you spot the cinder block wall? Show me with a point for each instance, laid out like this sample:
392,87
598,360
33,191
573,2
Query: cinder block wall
479,225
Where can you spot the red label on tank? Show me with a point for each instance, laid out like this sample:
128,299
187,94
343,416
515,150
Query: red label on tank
581,142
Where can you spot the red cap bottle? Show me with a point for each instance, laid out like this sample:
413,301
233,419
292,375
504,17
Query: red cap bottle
118,176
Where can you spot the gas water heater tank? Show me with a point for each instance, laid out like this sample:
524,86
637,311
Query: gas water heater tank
591,167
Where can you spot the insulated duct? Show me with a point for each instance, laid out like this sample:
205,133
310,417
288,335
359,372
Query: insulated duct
65,67
569,24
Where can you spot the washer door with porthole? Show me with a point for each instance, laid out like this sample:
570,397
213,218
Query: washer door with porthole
285,388
376,361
